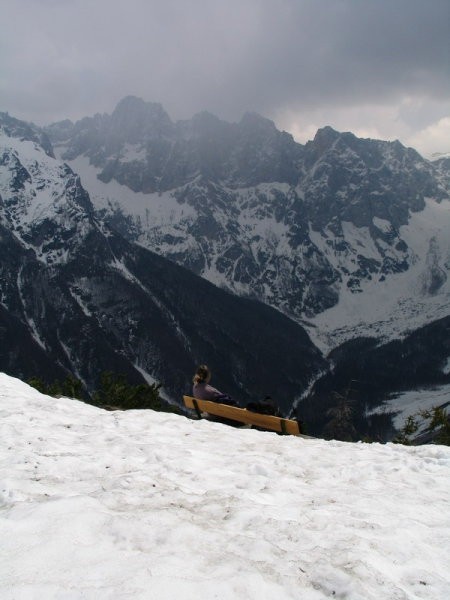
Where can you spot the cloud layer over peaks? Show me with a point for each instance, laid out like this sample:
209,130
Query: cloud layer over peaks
377,67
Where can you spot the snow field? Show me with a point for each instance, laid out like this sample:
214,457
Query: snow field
149,505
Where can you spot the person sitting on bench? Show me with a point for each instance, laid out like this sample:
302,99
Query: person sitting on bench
203,391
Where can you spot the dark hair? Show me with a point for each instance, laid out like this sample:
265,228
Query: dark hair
202,374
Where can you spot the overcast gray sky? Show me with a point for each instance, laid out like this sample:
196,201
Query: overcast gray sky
379,68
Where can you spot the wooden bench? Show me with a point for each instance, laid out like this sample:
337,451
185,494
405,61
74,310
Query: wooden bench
242,415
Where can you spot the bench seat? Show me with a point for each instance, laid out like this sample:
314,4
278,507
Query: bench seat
242,415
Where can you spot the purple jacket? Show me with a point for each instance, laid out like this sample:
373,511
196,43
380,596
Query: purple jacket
204,391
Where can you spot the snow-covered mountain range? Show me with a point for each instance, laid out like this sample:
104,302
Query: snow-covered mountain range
345,237
76,297
349,235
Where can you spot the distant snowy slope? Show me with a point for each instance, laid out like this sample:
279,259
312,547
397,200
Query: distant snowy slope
409,404
148,211
389,307
148,505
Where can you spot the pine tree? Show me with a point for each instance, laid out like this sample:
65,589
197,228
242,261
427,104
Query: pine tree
116,392
405,434
341,426
439,424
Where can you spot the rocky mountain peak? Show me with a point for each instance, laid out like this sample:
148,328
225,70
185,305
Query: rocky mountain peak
325,137
25,131
204,125
42,202
134,120
252,121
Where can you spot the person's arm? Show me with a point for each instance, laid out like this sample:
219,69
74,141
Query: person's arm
220,397
212,392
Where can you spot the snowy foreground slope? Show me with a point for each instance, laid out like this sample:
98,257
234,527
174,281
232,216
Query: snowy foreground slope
148,505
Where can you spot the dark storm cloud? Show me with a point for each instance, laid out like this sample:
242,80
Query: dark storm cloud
61,58
352,52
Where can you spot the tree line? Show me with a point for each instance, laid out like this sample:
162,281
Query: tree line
114,392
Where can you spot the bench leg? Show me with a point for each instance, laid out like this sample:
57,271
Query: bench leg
197,410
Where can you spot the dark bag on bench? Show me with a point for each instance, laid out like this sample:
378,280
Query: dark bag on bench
268,406
225,399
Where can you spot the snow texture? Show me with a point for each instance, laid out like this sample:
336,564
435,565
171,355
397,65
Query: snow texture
146,505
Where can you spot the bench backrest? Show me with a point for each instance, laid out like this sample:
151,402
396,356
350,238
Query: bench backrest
242,415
